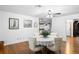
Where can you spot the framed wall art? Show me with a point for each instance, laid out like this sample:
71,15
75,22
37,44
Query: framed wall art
13,23
27,23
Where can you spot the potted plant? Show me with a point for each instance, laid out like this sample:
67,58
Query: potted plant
45,33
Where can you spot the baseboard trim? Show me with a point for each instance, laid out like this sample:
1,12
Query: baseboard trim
14,42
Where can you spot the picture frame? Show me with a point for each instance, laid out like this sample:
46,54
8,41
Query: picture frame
27,23
13,23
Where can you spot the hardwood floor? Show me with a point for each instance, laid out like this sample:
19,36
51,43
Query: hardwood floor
72,45
18,48
69,47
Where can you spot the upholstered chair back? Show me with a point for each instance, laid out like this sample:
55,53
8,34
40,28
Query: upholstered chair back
58,43
32,43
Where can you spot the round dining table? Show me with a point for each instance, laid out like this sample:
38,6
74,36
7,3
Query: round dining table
44,42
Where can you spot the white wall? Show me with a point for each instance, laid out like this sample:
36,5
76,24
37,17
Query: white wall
59,24
22,34
0,27
19,35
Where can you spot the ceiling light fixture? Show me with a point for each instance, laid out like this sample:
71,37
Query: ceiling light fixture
50,14
39,6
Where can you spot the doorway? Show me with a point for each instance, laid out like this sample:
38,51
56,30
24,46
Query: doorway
76,28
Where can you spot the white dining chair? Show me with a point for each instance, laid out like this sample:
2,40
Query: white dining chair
32,45
56,46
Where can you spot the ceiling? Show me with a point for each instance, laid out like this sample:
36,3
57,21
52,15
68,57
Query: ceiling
40,10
